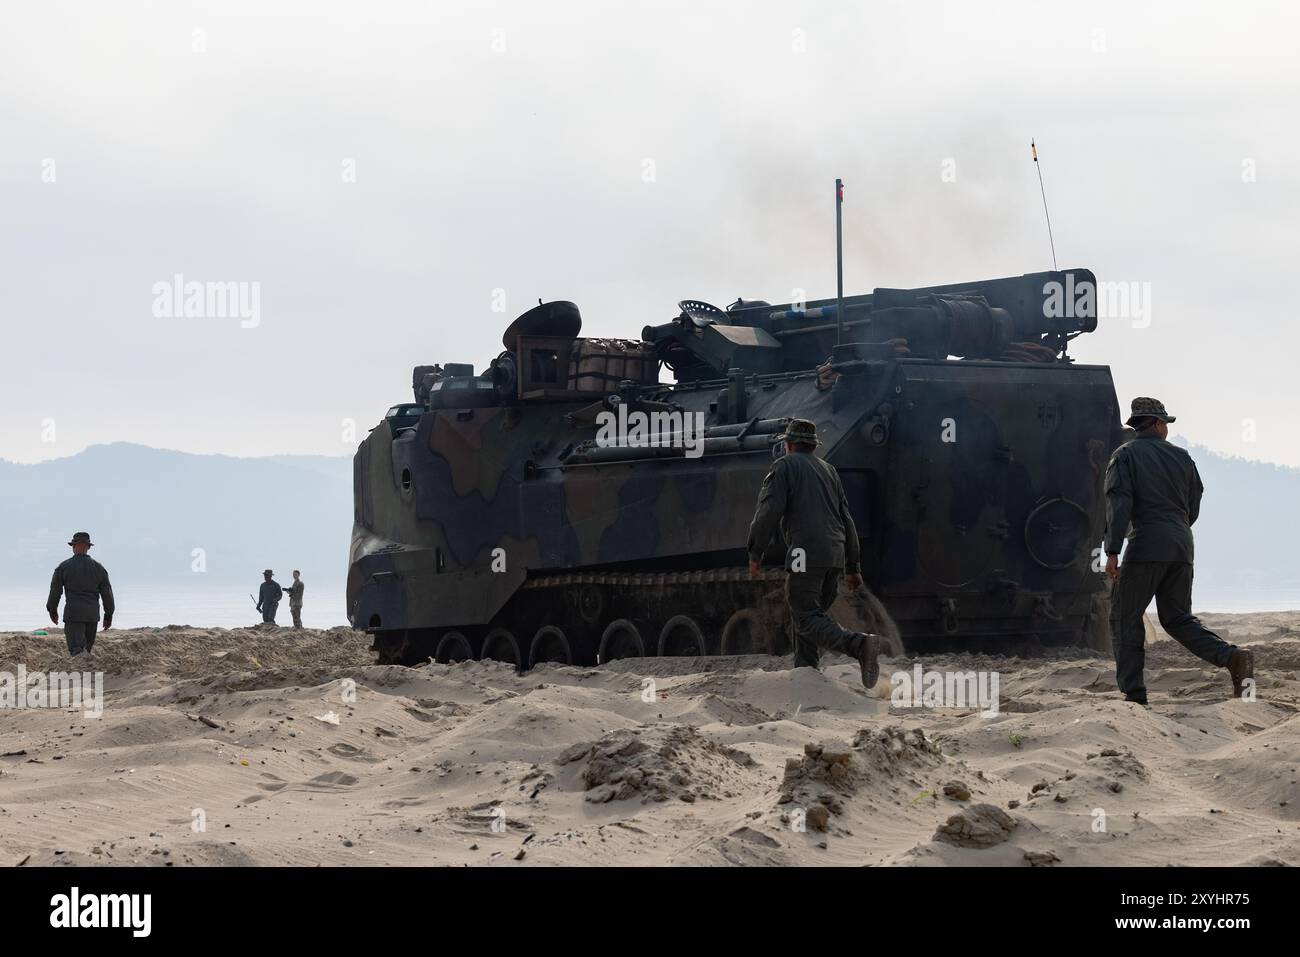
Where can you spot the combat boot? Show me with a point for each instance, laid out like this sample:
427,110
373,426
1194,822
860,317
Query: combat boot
1241,665
869,659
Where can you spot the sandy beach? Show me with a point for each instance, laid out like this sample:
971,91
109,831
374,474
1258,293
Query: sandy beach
279,747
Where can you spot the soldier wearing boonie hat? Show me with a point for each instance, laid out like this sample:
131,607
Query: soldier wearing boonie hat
803,496
1145,407
268,596
84,582
801,431
1153,497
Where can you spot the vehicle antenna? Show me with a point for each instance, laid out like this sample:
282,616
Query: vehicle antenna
839,263
1034,150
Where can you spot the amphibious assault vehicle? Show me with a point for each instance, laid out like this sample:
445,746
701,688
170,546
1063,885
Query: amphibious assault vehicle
563,504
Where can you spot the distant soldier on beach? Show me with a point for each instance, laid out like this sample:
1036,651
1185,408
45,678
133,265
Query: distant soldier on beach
294,592
84,582
268,596
803,496
1153,488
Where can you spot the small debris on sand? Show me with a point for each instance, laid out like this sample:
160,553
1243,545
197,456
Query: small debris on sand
957,791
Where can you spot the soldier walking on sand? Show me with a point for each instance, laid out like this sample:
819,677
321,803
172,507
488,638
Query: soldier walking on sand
85,583
268,597
1153,486
802,495
294,592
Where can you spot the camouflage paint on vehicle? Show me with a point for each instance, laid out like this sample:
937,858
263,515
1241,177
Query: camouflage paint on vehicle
492,523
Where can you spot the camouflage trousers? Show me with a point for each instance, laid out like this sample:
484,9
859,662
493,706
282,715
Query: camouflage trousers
809,594
80,635
268,612
296,611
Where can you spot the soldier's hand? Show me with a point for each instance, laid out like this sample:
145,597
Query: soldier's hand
755,569
108,623
1112,567
853,580
54,617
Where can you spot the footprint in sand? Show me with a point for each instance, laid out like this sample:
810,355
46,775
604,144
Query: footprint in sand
332,779
351,752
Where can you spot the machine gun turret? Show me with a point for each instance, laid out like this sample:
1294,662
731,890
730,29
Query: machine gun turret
979,320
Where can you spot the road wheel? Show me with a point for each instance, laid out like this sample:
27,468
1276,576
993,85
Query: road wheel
453,646
590,602
501,645
549,644
750,632
622,638
681,636
391,648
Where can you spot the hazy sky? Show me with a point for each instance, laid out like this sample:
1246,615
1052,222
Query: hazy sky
388,173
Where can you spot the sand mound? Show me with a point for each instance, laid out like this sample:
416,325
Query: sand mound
891,750
827,774
658,763
190,652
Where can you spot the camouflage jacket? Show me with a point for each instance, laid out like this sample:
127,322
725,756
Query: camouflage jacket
294,592
803,495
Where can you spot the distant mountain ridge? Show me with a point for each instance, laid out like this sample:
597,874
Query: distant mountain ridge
1246,533
148,510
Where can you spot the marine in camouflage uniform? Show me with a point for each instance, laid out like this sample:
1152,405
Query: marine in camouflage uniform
1153,493
85,583
294,592
803,496
268,597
